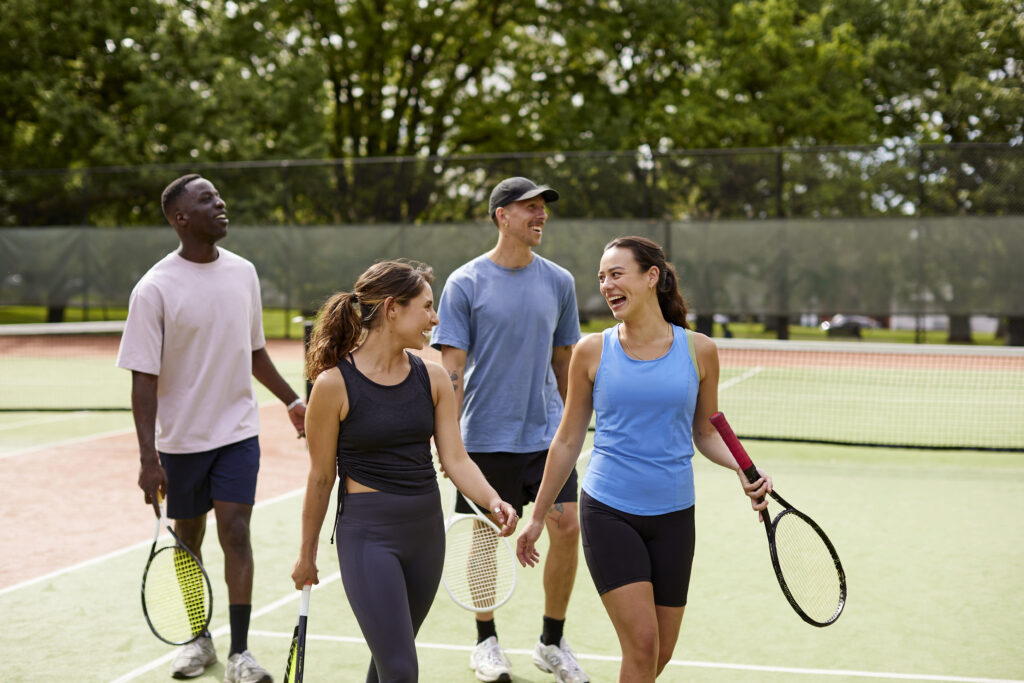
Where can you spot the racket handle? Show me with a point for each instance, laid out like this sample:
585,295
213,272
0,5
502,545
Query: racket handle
735,447
304,604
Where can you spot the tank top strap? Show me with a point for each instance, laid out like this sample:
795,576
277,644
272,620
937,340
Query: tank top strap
693,351
419,371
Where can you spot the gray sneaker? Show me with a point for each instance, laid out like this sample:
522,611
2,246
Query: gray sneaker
489,662
559,660
192,659
242,668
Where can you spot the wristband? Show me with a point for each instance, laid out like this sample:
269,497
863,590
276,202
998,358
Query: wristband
296,402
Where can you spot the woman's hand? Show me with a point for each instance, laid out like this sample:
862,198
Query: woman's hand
757,491
505,515
526,549
304,573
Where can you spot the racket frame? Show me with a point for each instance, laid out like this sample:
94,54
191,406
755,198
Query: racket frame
298,648
162,522
453,517
739,453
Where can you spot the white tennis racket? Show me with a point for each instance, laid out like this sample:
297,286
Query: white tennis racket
479,565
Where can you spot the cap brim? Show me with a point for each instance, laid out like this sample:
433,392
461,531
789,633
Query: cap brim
544,191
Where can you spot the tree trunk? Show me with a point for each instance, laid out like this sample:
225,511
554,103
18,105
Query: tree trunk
782,327
705,323
1015,330
960,329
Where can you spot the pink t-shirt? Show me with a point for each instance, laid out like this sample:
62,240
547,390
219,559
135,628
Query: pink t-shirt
195,326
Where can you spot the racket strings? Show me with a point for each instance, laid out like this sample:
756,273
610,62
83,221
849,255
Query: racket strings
479,569
808,567
176,595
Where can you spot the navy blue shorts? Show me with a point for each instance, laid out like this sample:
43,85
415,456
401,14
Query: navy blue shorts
516,477
622,548
195,480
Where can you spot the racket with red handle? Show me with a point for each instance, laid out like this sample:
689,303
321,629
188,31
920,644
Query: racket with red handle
804,559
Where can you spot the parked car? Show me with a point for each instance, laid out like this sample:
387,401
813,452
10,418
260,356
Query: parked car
841,325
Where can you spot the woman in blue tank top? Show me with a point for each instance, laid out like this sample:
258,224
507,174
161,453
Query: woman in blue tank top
654,385
372,412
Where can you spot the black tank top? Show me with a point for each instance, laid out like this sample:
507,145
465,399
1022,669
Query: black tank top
384,441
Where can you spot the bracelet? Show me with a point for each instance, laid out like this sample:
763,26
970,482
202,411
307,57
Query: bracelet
296,402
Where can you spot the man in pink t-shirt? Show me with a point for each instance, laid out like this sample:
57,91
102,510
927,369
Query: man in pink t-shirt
193,341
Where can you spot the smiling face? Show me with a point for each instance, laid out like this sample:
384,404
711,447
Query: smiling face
200,214
524,220
625,287
414,319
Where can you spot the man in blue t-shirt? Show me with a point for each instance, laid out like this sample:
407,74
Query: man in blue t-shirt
508,324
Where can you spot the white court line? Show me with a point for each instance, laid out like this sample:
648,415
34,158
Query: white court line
674,662
49,418
86,439
226,629
740,378
68,442
123,551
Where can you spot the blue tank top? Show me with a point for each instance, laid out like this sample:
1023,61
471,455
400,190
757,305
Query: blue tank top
384,441
643,445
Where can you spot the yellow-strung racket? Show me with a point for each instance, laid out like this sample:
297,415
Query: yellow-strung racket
297,652
177,600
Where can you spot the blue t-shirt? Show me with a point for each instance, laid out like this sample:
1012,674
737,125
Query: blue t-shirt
508,320
643,444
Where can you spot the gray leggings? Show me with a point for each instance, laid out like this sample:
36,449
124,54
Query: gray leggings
391,553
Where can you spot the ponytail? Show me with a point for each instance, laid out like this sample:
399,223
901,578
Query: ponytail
670,299
337,331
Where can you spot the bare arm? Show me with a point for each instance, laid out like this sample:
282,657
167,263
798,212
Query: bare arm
454,362
560,357
152,478
705,437
328,405
452,453
263,369
565,447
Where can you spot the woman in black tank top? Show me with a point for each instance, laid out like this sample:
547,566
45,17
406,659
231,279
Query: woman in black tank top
373,409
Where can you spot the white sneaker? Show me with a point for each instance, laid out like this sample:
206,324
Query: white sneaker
489,662
242,668
559,660
192,659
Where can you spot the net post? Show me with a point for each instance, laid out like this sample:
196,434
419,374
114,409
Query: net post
307,334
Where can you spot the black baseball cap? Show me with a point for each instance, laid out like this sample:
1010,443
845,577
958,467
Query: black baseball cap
517,189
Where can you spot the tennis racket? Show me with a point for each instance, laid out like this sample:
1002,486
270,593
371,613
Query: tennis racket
176,596
805,561
479,564
297,653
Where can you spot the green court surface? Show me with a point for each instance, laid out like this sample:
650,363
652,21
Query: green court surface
928,540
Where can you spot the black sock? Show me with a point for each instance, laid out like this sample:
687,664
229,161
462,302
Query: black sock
552,634
239,616
485,629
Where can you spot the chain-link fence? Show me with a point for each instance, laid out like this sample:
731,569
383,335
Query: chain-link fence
820,182
775,233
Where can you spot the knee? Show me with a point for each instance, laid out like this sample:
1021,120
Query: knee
234,535
642,651
564,526
401,671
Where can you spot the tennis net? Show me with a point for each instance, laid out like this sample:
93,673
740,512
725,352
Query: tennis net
895,395
62,367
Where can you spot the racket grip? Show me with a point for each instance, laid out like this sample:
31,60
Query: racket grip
735,447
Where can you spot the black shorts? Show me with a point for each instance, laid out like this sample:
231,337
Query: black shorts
195,480
622,548
516,477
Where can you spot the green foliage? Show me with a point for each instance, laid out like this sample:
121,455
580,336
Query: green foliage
133,82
